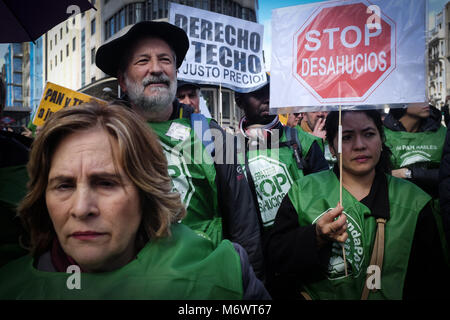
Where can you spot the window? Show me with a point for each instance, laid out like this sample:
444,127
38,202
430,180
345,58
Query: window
93,26
92,55
60,33
60,55
92,79
139,12
50,64
17,64
111,26
56,61
122,19
51,44
56,40
18,93
67,50
107,30
67,27
208,95
73,43
17,78
226,105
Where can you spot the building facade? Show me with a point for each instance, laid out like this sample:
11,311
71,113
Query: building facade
437,61
71,47
23,75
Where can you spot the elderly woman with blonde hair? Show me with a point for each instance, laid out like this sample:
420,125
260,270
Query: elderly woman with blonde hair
100,202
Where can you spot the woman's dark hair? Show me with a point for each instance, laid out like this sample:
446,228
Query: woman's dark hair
332,125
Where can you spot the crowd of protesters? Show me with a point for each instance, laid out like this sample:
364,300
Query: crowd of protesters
149,199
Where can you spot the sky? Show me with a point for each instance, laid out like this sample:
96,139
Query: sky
264,17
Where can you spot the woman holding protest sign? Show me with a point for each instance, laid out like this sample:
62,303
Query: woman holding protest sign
100,205
384,223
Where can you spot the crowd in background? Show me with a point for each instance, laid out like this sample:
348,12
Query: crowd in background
118,192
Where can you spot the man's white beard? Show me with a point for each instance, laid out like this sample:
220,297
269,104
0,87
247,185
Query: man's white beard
155,103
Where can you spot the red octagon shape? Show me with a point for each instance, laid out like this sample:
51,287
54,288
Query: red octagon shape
340,58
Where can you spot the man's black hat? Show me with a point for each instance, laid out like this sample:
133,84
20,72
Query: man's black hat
110,54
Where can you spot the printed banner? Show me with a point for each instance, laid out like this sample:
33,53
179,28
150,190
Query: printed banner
223,50
55,98
350,52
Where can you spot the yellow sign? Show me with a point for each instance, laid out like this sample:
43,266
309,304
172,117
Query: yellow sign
283,118
55,98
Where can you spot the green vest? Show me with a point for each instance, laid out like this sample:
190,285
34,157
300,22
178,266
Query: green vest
318,193
273,172
193,175
183,266
12,189
408,148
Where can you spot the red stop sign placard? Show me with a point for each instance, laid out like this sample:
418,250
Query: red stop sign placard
340,55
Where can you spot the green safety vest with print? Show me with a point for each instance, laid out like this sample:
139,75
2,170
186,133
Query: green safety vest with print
182,266
318,193
193,175
273,172
422,148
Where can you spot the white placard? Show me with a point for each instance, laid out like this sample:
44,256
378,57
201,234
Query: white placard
350,52
223,50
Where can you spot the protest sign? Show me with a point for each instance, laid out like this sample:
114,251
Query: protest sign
350,52
56,97
223,50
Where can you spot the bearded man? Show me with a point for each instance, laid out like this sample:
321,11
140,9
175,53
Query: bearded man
214,190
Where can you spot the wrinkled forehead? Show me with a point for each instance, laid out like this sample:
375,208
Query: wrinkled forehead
147,45
151,44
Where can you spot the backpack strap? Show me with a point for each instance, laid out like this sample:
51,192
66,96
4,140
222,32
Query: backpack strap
201,129
377,254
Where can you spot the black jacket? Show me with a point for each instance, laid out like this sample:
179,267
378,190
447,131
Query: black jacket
14,149
444,186
425,178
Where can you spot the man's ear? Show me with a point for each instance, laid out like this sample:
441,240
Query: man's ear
121,80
